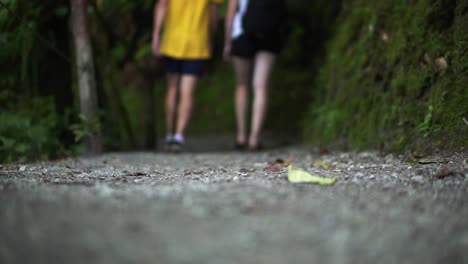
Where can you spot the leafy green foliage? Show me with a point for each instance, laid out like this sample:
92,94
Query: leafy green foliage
425,126
84,128
31,126
30,130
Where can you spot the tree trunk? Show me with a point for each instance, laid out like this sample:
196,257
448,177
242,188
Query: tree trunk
85,73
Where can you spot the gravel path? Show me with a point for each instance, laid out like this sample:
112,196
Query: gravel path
227,208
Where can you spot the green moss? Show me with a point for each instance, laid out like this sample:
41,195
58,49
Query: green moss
380,82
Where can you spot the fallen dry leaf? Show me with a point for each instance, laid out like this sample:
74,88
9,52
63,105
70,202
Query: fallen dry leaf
244,170
282,162
135,174
322,164
384,36
429,160
443,172
441,64
194,172
324,151
274,168
277,165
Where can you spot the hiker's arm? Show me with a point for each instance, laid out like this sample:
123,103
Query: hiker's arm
160,10
231,12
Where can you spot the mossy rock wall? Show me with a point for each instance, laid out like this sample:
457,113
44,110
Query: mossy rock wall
395,75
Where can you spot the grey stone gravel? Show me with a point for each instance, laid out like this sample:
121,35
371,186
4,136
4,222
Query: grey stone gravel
226,208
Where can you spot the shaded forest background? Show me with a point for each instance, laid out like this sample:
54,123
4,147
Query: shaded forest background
354,73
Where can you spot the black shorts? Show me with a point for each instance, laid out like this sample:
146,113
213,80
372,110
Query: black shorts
183,66
247,45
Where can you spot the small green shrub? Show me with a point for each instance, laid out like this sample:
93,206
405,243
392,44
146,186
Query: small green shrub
30,129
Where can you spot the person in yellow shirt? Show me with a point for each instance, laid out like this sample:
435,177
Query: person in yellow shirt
184,46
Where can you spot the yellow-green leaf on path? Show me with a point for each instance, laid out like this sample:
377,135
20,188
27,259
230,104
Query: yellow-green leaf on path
297,175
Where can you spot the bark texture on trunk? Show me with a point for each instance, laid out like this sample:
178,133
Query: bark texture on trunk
85,71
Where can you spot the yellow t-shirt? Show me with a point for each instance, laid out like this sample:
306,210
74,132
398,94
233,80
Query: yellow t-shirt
187,29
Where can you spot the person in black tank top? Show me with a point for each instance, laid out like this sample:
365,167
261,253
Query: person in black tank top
254,36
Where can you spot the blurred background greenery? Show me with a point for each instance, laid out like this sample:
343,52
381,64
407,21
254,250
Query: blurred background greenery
354,73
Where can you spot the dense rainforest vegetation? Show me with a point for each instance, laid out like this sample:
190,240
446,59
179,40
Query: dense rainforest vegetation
354,73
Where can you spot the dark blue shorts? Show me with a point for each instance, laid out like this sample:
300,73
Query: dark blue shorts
184,67
247,45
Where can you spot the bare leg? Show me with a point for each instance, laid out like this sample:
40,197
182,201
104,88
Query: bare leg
187,87
242,68
171,96
263,66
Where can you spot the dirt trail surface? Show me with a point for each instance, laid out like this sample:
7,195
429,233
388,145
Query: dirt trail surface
227,208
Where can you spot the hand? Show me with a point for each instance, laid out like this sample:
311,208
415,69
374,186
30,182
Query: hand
227,52
155,46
